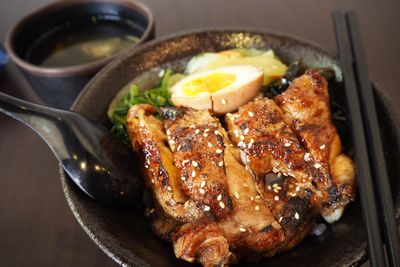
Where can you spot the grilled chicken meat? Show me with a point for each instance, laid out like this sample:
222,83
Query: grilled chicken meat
248,192
221,183
305,105
273,154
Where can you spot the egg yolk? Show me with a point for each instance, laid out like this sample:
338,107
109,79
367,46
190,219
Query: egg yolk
208,84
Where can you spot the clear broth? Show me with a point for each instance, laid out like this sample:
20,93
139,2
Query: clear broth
80,43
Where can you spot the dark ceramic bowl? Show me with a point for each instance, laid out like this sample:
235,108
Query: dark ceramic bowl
126,236
59,86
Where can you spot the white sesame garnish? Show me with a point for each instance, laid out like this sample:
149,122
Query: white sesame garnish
276,198
185,161
245,185
246,131
206,130
152,181
219,151
201,190
202,184
258,197
219,197
169,188
279,174
193,173
307,156
216,132
222,205
209,144
249,145
287,144
171,142
252,198
194,163
241,229
280,219
223,101
317,165
237,195
269,187
207,208
179,147
240,143
236,132
197,131
296,215
257,207
241,137
221,163
297,188
168,132
205,134
322,147
251,114
183,178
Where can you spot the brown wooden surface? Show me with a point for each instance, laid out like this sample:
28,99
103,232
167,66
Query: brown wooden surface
36,226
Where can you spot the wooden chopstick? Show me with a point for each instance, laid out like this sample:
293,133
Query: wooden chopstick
376,155
364,176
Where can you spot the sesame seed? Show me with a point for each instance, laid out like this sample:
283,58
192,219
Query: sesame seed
240,143
237,195
279,174
209,144
280,219
296,215
219,197
223,101
202,184
201,190
179,147
206,130
205,134
317,165
307,156
242,137
257,207
322,147
252,198
258,197
221,163
276,198
222,205
219,151
183,178
216,132
252,140
197,131
275,185
152,181
287,144
241,229
251,114
269,187
185,161
245,185
195,164
297,188
169,188
168,132
246,131
249,145
171,142
276,190
207,208
152,210
193,173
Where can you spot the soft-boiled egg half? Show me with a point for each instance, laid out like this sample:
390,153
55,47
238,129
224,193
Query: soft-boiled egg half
221,90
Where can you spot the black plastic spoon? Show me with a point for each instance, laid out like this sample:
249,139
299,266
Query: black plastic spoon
98,163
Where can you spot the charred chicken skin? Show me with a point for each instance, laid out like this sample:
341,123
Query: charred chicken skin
249,191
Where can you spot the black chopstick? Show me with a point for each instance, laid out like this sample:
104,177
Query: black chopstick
364,176
377,157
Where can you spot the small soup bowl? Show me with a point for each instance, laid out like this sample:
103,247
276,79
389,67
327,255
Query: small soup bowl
59,85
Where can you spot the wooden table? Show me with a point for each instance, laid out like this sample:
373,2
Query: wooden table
36,226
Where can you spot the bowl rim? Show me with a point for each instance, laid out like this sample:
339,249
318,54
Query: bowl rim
140,7
119,258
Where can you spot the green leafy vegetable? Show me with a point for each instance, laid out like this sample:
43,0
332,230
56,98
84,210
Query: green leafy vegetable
158,97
